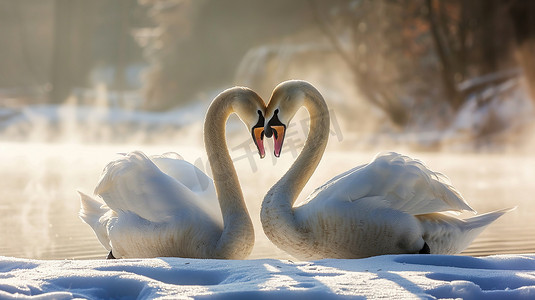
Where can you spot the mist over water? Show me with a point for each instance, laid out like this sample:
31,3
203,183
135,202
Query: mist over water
39,202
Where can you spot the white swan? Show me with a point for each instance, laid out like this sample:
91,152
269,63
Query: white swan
164,206
391,205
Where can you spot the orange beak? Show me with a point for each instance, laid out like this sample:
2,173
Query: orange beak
278,136
258,137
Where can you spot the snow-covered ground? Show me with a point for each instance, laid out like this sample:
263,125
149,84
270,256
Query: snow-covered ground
386,277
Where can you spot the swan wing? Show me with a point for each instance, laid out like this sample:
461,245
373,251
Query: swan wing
398,182
189,175
193,178
331,182
133,183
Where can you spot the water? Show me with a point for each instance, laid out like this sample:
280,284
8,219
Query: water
39,203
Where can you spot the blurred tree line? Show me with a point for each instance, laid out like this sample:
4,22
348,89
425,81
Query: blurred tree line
50,47
93,36
407,47
196,45
400,52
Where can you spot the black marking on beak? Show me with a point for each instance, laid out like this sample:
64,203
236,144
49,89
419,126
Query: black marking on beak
274,121
260,122
259,137
276,129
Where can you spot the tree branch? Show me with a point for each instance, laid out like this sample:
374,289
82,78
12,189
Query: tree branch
331,35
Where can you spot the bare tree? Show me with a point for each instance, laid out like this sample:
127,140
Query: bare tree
523,19
368,52
71,47
471,39
394,45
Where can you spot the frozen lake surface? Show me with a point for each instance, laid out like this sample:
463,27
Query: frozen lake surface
39,203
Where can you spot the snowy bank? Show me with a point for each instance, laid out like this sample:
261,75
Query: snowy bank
392,276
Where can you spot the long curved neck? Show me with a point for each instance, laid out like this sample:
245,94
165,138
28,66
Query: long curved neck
306,163
237,238
277,213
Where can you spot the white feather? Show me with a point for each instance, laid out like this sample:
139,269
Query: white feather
402,183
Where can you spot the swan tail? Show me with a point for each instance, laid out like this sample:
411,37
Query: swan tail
91,212
448,235
473,226
482,221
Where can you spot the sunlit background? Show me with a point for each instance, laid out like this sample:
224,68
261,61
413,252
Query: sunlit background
449,82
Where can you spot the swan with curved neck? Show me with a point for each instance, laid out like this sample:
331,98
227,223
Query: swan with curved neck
164,206
391,205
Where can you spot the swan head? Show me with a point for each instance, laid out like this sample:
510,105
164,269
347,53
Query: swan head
250,109
285,101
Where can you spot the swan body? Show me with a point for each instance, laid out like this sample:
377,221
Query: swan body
392,205
165,206
146,205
